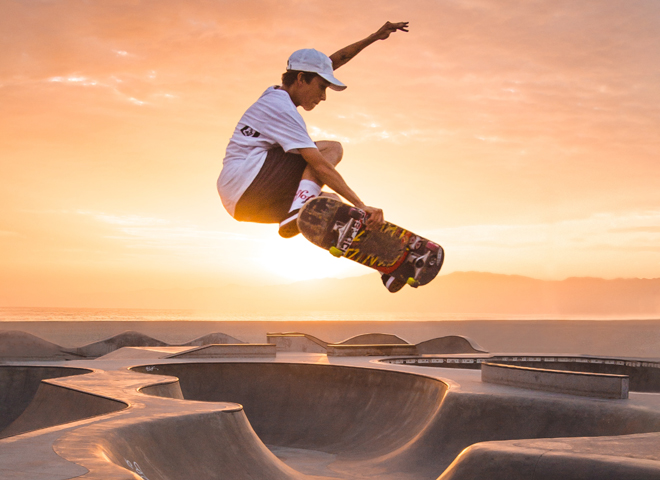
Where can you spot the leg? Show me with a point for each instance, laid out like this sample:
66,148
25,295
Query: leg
310,186
332,151
268,198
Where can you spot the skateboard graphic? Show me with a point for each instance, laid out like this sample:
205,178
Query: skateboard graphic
401,256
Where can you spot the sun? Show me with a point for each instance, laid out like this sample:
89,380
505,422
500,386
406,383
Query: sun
296,259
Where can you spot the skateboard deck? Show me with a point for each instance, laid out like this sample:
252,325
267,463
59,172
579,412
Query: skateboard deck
401,256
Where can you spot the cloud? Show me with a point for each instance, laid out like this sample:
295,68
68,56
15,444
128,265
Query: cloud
630,231
523,119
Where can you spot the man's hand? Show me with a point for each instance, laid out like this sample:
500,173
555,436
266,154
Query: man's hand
341,57
386,30
375,217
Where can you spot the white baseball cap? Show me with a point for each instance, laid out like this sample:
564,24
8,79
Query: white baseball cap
310,60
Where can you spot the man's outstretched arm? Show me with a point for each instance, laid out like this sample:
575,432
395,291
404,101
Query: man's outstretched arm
342,56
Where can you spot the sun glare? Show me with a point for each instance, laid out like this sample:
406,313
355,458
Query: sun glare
296,259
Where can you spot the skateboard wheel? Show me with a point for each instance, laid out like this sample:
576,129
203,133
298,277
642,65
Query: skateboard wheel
392,284
335,252
412,282
434,247
355,214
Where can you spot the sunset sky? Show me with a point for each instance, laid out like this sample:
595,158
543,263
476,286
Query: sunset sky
523,136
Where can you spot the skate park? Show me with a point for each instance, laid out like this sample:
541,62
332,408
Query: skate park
297,407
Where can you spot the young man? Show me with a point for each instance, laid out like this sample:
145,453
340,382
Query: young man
272,166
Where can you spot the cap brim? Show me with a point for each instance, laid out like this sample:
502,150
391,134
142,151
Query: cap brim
334,83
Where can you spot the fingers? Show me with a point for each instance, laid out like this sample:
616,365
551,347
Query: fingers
389,28
393,27
403,26
375,217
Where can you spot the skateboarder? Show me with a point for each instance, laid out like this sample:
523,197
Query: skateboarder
272,166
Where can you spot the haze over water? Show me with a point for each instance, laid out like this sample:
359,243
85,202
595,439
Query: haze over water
28,314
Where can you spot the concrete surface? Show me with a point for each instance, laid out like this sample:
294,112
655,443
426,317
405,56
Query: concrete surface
600,385
366,345
241,350
310,416
18,345
370,350
451,344
297,342
374,339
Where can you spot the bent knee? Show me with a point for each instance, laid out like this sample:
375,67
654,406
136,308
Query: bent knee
332,150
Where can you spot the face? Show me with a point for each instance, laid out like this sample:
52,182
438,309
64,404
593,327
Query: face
312,93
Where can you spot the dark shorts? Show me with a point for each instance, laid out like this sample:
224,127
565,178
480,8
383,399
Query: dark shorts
270,195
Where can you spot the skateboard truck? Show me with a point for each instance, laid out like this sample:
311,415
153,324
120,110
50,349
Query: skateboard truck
347,231
418,262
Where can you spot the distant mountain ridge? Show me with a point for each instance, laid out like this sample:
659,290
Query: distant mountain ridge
458,292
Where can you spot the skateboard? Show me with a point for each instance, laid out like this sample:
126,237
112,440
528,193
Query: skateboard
402,257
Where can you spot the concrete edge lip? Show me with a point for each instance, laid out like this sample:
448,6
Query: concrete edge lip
599,385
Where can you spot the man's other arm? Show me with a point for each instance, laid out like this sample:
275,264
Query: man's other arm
328,175
342,56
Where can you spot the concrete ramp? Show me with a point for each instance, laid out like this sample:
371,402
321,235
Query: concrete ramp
240,350
128,338
25,346
143,353
565,458
206,445
19,385
297,342
600,385
371,350
352,419
449,345
374,421
55,404
352,412
166,438
374,339
467,419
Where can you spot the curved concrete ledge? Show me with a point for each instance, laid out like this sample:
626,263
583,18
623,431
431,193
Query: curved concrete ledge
323,407
16,345
644,375
598,385
178,446
565,458
297,342
451,344
19,385
241,350
124,339
159,437
370,350
55,404
164,389
374,339
368,343
136,339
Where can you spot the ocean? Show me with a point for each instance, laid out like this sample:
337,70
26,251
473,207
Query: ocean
72,327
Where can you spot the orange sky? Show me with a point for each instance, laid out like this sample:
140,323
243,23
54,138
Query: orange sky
523,136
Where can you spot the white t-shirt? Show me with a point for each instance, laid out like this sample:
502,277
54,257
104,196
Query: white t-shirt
273,120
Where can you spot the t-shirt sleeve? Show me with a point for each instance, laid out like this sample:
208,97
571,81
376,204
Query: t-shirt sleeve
282,123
